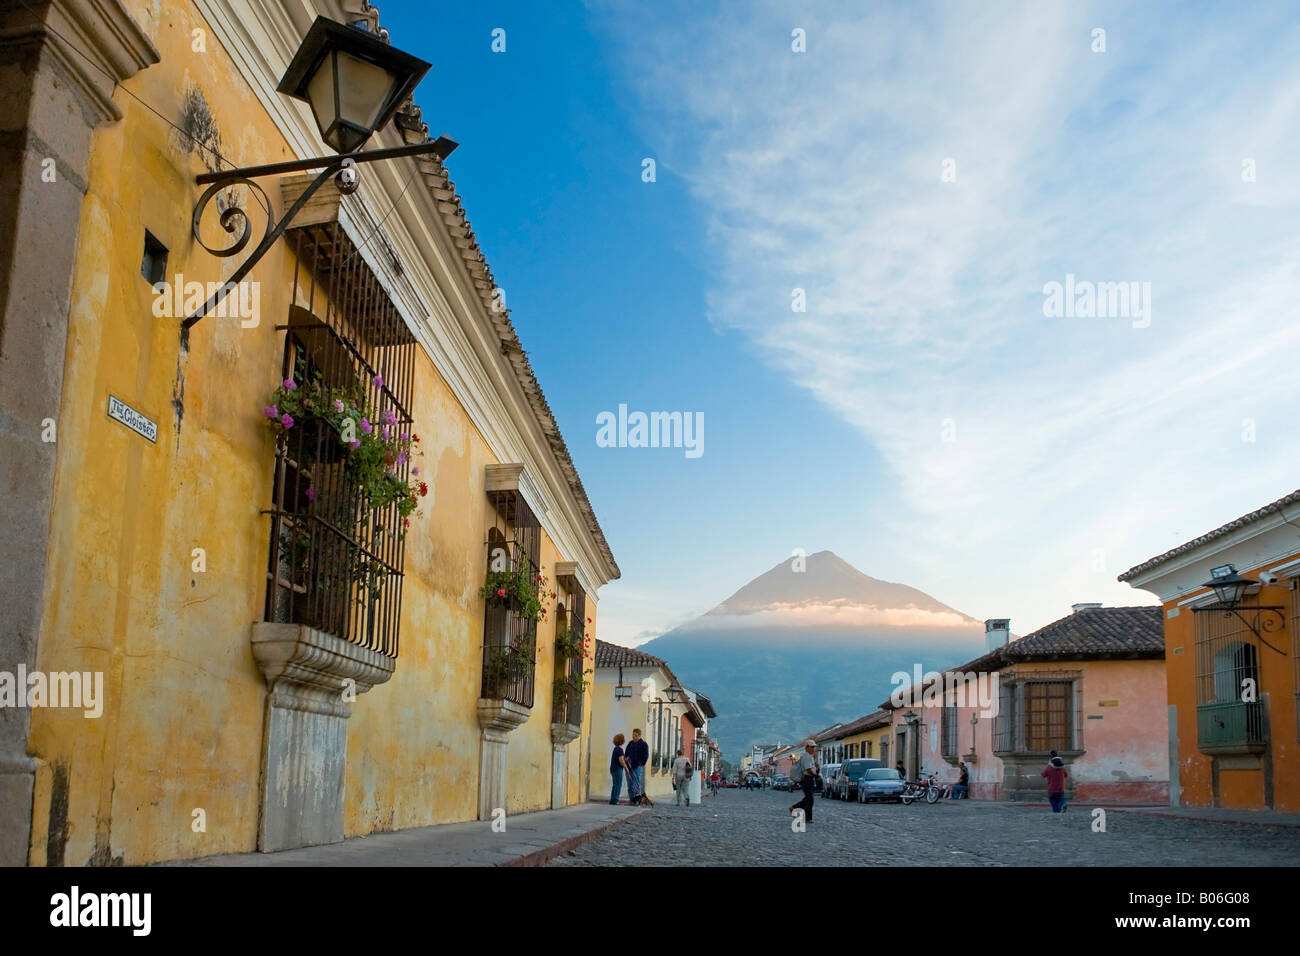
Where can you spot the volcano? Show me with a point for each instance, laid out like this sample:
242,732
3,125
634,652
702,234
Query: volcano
809,643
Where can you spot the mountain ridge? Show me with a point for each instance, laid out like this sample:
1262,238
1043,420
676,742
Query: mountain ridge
793,651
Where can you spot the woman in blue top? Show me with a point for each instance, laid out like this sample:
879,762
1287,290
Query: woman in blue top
617,767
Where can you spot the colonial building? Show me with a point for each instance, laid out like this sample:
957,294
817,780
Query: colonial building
1088,686
1231,609
323,545
634,690
868,736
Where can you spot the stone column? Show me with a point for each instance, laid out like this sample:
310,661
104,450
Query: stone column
561,736
496,717
312,677
60,61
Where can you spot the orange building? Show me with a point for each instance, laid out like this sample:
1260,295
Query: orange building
1232,660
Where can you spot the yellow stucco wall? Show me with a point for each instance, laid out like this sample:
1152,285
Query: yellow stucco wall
182,723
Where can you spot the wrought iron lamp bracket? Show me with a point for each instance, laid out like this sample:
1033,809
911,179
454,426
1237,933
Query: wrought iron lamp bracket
1263,620
236,218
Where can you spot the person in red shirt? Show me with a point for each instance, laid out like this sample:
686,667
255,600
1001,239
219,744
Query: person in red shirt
1056,773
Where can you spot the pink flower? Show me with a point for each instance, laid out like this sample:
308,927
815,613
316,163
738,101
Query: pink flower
401,459
338,405
286,420
388,417
406,436
271,411
414,471
366,426
289,383
311,494
355,443
385,433
379,382
501,592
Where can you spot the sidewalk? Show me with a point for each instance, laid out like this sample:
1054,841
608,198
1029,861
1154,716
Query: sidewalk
530,839
1273,818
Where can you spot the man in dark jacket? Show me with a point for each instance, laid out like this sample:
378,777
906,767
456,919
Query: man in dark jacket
637,756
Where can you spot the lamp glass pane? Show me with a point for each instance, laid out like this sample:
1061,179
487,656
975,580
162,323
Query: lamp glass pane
320,94
363,90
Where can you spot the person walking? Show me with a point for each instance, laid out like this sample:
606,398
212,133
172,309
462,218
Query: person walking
1056,773
638,755
682,772
617,768
806,771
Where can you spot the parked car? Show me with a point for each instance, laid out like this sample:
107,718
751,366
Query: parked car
880,783
780,782
851,771
829,771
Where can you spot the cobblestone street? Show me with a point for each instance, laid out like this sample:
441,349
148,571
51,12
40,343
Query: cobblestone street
743,828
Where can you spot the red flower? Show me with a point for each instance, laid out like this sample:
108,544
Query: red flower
424,489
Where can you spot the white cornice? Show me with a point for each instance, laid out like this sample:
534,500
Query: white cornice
1260,545
433,294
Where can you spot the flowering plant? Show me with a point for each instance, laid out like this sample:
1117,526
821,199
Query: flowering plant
519,587
572,643
377,445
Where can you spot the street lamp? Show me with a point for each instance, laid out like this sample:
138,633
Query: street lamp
354,83
352,80
1230,588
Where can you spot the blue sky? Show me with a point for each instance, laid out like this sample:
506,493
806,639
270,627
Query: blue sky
922,418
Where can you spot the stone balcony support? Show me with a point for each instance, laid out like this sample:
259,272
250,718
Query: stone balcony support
497,717
312,678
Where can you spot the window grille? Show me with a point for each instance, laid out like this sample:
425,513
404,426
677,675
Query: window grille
949,731
1039,711
335,563
1227,663
510,637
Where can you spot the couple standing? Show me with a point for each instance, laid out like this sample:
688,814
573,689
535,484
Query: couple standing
629,763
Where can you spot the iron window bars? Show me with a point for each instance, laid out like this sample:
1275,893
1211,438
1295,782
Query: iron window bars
509,637
567,708
1228,720
1039,711
335,564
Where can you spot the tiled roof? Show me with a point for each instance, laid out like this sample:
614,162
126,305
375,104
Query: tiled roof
615,655
878,718
1219,532
1087,634
827,734
1095,632
409,122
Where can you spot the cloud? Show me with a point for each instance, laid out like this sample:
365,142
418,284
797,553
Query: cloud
833,615
1020,445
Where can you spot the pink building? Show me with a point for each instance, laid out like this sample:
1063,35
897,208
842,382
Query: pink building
1090,686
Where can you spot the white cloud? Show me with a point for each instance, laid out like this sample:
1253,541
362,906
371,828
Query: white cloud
822,171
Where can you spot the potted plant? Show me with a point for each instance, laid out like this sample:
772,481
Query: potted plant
517,589
374,445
